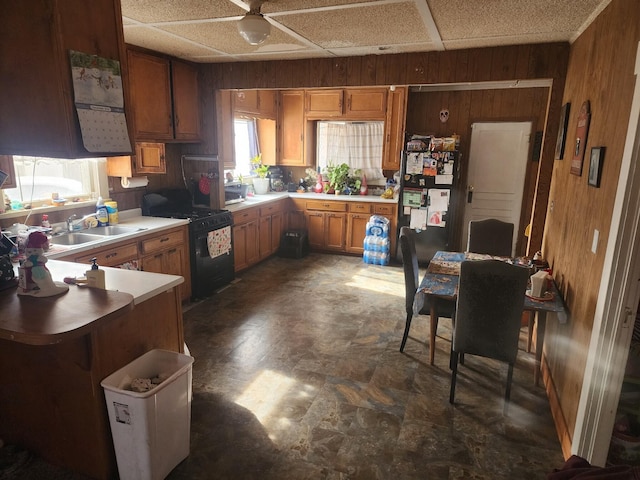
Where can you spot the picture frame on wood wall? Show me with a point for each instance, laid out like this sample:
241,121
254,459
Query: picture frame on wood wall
595,166
580,144
562,130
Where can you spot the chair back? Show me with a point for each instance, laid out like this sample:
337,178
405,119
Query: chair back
410,265
490,236
489,309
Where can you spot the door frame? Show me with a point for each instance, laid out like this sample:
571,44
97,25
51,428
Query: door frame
616,306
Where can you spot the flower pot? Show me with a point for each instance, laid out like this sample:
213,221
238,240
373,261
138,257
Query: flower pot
261,185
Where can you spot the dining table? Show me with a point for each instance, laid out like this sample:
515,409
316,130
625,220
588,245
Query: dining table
441,283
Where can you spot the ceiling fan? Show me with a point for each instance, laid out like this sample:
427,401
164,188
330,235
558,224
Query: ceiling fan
253,27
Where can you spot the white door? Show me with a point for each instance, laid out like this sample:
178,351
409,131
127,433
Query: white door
498,157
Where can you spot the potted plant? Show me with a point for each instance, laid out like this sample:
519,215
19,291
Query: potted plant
261,183
338,176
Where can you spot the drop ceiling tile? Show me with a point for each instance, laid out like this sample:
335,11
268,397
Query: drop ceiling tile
461,19
152,38
375,25
224,36
277,6
153,11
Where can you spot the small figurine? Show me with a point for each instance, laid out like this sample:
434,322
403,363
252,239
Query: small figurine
34,277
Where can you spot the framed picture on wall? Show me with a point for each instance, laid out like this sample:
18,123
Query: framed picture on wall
595,166
582,129
562,130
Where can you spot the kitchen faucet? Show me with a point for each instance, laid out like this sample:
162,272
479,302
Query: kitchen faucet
70,222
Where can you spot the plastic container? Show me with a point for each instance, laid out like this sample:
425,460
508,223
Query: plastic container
112,211
150,430
102,215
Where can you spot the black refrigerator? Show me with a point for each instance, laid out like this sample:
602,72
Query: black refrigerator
429,172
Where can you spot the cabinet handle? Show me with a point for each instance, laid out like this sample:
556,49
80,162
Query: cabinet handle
165,239
111,255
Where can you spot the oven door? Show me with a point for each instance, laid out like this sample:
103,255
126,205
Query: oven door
211,261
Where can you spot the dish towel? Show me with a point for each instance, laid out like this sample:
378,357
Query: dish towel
219,242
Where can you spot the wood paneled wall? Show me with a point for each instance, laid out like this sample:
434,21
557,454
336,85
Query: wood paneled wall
523,62
601,70
467,107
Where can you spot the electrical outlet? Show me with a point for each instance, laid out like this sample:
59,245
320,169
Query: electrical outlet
594,244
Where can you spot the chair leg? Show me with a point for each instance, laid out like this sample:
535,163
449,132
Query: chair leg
507,394
406,331
530,331
454,372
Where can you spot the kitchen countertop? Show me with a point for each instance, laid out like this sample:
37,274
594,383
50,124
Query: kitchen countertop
130,218
258,200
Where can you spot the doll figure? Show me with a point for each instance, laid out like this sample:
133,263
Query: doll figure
35,278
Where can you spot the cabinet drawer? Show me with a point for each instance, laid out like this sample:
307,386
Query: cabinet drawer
161,242
327,206
271,209
112,257
244,216
360,207
383,209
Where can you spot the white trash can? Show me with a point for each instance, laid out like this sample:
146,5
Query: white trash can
151,429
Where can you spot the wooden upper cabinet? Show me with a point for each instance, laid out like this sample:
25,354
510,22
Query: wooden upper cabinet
38,114
348,103
255,103
150,84
292,129
370,103
394,126
186,101
164,97
323,103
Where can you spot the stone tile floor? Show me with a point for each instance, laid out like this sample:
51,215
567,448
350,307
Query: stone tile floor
297,375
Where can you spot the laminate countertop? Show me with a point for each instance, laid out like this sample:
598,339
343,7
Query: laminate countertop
51,320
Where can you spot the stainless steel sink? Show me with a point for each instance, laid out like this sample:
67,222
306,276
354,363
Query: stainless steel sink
112,230
74,238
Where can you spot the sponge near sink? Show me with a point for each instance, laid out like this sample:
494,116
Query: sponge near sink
91,222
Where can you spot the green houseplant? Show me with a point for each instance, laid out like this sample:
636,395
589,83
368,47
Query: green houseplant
260,184
338,176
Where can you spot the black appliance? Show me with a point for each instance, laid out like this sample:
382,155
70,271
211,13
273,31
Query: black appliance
428,179
277,180
207,273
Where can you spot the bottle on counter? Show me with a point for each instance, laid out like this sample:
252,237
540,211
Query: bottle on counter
95,276
101,213
45,221
112,211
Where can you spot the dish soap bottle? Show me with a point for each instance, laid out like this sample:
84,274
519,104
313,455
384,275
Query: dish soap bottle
95,276
102,213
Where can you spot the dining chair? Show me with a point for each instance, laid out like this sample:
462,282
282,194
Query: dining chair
491,236
419,304
488,315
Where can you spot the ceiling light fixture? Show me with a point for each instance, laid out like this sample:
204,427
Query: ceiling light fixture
253,27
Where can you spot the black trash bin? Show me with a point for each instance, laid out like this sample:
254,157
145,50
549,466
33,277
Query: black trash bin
294,244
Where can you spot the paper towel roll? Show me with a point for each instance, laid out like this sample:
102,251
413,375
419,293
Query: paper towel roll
134,182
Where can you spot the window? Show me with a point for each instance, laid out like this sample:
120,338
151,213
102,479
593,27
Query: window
358,144
246,145
38,178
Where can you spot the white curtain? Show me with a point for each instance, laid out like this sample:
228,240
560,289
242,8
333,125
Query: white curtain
358,144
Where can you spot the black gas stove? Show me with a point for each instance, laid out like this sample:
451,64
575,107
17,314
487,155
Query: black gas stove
210,270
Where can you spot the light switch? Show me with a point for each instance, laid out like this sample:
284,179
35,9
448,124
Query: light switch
594,245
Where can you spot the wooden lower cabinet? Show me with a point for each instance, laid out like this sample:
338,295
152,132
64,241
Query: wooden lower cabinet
164,252
339,226
256,233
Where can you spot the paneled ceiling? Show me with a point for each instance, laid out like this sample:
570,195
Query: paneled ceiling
205,31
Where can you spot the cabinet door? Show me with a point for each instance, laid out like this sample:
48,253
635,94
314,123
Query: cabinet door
276,231
394,129
264,235
153,263
150,87
186,98
366,103
245,101
315,224
336,224
291,145
268,103
37,113
253,253
356,230
323,104
173,261
150,158
240,247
